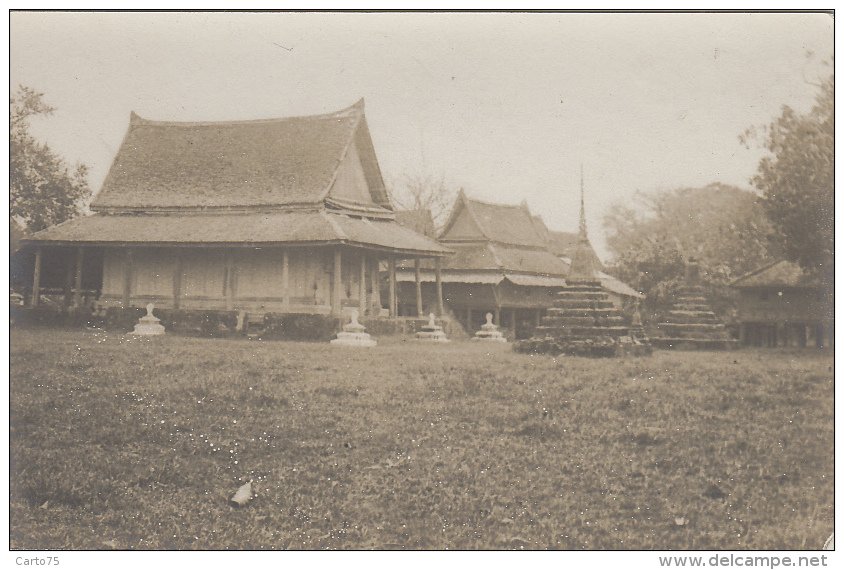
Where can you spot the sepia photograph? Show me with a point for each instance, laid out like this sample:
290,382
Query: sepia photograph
422,280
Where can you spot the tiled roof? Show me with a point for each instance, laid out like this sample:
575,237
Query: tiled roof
562,243
312,227
473,257
779,274
613,285
428,276
511,225
236,164
536,280
419,221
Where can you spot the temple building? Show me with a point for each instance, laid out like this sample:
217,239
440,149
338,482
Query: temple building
505,263
282,215
779,305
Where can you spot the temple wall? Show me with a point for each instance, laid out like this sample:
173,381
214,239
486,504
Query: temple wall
258,278
772,305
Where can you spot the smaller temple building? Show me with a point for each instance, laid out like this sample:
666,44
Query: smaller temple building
779,305
506,263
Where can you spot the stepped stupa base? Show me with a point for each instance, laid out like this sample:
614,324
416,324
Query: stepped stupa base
606,347
431,332
489,332
691,324
353,335
664,343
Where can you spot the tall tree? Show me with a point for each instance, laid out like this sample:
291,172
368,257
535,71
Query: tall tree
797,181
424,191
43,190
722,227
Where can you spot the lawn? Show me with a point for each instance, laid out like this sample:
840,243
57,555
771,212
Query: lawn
138,443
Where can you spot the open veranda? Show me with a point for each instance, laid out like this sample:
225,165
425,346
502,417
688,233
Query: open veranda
140,443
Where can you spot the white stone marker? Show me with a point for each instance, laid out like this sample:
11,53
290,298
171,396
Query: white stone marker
353,334
148,325
489,332
431,332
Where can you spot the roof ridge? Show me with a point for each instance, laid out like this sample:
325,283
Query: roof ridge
495,256
757,271
137,120
474,215
334,225
494,204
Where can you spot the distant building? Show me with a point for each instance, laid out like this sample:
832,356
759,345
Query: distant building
281,215
504,264
779,305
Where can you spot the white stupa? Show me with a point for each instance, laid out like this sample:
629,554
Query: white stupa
353,334
489,332
431,332
148,324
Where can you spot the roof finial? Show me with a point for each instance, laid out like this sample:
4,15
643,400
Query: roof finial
582,229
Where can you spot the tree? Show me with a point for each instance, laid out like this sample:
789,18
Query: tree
424,191
797,181
43,191
723,228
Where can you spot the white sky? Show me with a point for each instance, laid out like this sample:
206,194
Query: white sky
504,105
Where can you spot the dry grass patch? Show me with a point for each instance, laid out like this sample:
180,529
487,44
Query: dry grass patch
139,443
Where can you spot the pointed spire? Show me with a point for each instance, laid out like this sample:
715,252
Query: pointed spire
583,264
582,229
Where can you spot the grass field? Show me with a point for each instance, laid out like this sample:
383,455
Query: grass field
138,443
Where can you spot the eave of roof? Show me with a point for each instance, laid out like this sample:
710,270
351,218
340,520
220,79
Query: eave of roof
777,274
301,228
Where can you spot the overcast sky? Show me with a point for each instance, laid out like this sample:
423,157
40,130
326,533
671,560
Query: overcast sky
506,106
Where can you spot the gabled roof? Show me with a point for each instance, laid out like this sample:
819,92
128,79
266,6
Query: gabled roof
419,221
481,221
777,274
287,162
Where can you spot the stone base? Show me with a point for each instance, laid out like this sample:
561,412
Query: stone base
359,339
148,329
694,344
431,336
484,336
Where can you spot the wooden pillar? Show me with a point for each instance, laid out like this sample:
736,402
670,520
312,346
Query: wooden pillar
68,283
230,280
338,283
439,276
391,277
376,287
417,273
497,316
513,320
77,291
36,278
362,296
128,262
177,279
538,317
469,328
285,279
